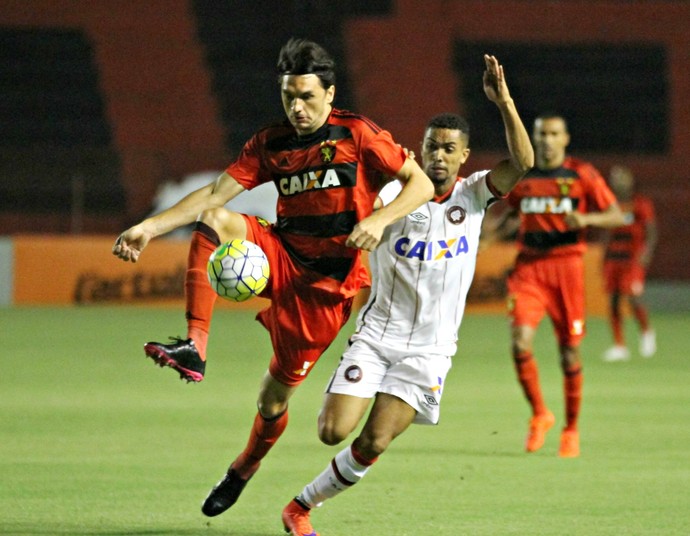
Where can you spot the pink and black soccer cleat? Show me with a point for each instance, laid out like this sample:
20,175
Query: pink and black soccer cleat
181,356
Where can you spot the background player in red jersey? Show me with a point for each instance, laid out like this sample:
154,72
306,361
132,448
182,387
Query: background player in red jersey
629,250
328,166
556,201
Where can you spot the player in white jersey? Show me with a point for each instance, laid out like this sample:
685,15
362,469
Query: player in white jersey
406,333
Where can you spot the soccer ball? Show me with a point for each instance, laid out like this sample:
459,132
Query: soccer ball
238,270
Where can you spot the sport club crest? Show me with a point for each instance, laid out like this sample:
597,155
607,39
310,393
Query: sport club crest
327,150
564,186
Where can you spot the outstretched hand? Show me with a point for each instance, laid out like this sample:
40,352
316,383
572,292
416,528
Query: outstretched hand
494,80
130,244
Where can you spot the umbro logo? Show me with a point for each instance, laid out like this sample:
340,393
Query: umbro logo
431,400
418,217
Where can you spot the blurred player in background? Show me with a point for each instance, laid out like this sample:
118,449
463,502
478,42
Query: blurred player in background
328,166
407,332
629,250
555,202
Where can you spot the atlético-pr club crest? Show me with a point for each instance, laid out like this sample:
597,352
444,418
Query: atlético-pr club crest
456,214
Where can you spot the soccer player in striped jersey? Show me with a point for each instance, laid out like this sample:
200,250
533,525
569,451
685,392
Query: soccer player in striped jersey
555,201
328,166
407,332
629,250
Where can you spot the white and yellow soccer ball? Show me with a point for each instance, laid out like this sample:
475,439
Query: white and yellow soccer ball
238,270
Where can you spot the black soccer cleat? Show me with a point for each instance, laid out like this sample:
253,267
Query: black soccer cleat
181,355
224,494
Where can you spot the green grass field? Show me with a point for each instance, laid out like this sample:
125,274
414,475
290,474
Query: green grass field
95,440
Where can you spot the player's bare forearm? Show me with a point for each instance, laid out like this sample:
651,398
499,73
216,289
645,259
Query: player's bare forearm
517,139
609,218
417,190
131,242
508,173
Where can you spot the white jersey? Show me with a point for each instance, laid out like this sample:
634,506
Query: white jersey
423,268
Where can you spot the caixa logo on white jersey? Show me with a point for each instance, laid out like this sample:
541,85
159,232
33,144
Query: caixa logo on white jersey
547,205
433,250
331,177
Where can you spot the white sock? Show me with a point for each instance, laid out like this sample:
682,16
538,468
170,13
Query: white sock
342,473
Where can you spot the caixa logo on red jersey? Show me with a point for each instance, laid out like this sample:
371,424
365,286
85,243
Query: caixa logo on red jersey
434,250
318,179
547,205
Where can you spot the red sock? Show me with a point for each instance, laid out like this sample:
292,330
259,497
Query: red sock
263,436
642,316
617,328
572,387
200,297
528,376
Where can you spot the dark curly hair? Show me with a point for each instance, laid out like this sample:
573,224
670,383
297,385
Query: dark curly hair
450,121
300,56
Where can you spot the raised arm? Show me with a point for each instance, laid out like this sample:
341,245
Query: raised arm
508,172
131,242
417,189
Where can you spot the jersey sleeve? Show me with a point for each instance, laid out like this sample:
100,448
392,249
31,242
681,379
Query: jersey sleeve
248,169
480,184
599,195
646,210
514,196
383,154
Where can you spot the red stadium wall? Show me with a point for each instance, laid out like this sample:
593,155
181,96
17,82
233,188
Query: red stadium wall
154,80
166,123
401,71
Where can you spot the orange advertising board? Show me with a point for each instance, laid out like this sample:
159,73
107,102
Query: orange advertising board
82,270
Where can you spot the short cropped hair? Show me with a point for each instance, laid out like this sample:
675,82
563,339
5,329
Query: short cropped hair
300,56
552,115
452,122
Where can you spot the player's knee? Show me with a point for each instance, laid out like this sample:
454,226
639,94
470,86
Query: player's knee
227,224
520,347
331,434
521,340
570,357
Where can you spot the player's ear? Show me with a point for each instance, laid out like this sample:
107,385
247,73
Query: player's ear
330,94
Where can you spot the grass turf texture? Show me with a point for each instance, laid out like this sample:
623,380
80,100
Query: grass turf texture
97,441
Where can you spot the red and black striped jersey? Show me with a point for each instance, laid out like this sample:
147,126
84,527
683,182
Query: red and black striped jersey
627,242
327,182
544,197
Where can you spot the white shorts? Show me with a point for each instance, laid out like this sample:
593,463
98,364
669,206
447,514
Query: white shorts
367,368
